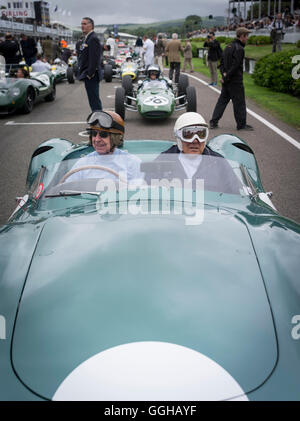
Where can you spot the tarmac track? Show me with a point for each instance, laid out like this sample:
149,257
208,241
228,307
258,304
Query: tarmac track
278,160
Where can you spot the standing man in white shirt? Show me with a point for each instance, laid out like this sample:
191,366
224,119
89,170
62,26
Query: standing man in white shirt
277,32
113,46
41,64
148,48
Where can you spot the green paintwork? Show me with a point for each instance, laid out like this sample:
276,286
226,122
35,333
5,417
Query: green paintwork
147,93
10,102
227,288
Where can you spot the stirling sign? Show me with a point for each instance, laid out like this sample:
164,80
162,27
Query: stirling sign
18,13
18,10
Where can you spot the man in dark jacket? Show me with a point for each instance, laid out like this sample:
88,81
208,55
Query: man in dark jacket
10,51
29,49
232,82
89,61
214,54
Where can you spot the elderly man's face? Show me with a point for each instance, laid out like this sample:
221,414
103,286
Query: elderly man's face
194,147
101,142
86,26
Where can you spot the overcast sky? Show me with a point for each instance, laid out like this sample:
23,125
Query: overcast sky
134,11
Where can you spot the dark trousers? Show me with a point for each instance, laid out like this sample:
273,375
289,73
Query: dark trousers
92,90
174,66
30,60
236,93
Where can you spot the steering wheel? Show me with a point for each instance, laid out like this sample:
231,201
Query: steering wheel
93,167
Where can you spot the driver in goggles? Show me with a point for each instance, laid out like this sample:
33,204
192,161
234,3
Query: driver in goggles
106,133
191,133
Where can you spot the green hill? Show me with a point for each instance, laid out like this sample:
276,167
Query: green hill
168,27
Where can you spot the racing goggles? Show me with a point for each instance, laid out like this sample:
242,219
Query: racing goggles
104,121
190,133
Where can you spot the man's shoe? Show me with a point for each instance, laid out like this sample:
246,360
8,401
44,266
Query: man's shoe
213,125
211,84
247,127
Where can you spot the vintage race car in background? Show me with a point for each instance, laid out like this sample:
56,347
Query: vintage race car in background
22,94
155,292
156,99
72,69
59,70
119,67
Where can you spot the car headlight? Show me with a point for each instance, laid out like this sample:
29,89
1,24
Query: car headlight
15,92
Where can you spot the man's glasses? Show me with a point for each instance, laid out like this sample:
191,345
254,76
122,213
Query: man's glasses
102,133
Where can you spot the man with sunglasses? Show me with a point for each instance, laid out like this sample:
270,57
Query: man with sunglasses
106,132
193,159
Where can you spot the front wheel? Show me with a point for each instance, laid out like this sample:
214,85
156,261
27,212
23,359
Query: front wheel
108,72
120,102
29,101
182,86
127,85
52,95
70,75
191,99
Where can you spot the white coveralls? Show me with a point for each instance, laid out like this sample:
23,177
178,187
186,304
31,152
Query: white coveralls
149,52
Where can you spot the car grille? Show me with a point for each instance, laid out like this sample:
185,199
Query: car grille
156,114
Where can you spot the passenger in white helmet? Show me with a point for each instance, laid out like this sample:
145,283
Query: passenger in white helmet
193,159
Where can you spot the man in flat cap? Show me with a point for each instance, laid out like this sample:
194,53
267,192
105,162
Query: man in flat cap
232,82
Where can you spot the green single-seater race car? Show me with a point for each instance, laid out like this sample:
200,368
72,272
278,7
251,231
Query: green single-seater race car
149,289
21,94
155,99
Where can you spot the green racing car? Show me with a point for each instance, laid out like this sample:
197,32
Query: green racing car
155,97
20,94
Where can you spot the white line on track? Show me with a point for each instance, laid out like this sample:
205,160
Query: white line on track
271,126
13,123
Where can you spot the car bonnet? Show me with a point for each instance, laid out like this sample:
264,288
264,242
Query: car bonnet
96,286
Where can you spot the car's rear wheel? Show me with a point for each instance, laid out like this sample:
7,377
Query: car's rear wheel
127,85
182,86
108,72
191,99
70,75
120,102
29,101
52,95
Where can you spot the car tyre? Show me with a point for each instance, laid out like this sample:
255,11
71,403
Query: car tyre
182,86
29,101
120,102
108,72
52,95
191,99
127,85
70,75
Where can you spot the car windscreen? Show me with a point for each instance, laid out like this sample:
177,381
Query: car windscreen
90,172
157,84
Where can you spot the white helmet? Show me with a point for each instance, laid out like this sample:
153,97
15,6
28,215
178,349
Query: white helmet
185,120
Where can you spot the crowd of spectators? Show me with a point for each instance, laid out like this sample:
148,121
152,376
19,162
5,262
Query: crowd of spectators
14,48
290,21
